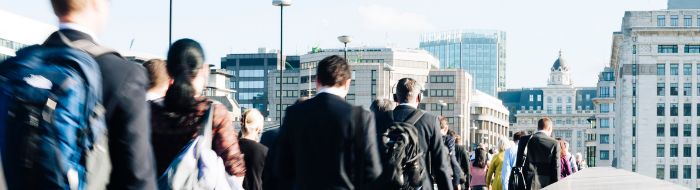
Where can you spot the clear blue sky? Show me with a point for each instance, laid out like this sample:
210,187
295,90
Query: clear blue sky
536,29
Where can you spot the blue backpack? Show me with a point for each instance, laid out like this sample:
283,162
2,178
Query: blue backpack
52,126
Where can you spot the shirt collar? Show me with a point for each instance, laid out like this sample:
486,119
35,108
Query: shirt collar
414,105
77,27
542,131
334,90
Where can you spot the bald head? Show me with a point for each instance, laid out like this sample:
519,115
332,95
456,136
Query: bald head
544,124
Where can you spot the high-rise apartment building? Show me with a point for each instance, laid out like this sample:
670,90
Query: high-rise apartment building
482,53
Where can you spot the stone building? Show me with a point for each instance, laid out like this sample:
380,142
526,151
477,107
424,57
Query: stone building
603,146
489,119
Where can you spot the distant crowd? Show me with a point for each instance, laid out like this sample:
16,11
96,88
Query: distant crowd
76,115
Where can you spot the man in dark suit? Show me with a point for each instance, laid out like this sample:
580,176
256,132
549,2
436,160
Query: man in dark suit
124,85
316,144
542,165
463,159
269,139
408,93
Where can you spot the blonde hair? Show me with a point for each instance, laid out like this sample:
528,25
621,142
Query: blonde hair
503,144
251,120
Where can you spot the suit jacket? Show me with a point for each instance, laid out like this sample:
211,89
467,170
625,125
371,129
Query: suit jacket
316,145
270,181
430,142
542,165
463,159
124,85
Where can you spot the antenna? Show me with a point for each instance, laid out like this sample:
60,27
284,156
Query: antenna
132,44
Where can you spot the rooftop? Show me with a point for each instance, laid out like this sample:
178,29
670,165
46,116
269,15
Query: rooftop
611,178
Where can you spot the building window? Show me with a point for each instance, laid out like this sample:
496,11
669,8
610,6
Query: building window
686,172
307,93
660,171
660,130
660,150
661,89
634,51
634,150
578,108
539,107
604,91
604,155
604,108
288,93
674,130
587,107
579,143
634,109
284,107
673,172
674,69
668,49
660,69
568,99
660,109
578,133
674,150
531,108
634,130
558,109
250,96
661,20
686,130
686,150
251,84
687,89
559,133
290,80
442,79
442,93
691,49
579,97
436,107
674,89
531,97
558,120
568,133
539,98
604,139
674,20
558,99
549,109
604,123
568,109
568,120
674,109
687,20
251,73
549,99
687,69
686,109
588,97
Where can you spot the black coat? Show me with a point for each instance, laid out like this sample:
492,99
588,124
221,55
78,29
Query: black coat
124,85
430,142
316,144
542,165
270,181
463,159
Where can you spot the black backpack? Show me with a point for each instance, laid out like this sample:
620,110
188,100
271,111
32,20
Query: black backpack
400,154
517,178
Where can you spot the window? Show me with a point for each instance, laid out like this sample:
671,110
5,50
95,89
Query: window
686,109
578,133
579,97
687,89
558,109
549,99
288,80
539,107
674,150
568,133
251,84
660,129
604,108
668,49
634,109
634,150
634,130
588,97
284,107
251,73
634,89
578,144
531,108
674,172
661,20
531,97
568,99
660,69
687,20
660,150
660,171
674,20
558,99
232,85
634,51
604,139
307,92
559,134
674,69
558,120
674,109
691,49
686,150
436,107
587,107
661,89
250,96
604,91
578,108
442,79
674,89
674,130
686,172
568,109
539,98
306,79
549,109
687,69
604,155
568,120
604,123
288,93
442,93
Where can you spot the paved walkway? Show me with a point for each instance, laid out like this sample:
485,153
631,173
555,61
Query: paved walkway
611,178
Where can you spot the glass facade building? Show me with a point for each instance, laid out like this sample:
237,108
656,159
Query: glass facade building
482,53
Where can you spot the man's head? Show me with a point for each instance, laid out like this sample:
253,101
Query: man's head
517,135
300,100
87,13
408,91
444,125
545,124
158,75
333,71
381,105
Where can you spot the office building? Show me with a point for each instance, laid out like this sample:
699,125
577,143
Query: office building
489,119
217,89
567,106
655,56
18,32
482,53
602,148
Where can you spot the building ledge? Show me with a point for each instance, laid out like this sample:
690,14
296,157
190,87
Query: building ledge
611,178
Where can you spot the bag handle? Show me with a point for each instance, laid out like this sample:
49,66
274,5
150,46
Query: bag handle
525,151
205,136
359,146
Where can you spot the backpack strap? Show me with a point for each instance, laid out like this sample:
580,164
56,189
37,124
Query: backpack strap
415,116
205,136
87,46
358,124
525,151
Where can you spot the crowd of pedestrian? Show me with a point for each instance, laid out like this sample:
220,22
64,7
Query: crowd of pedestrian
162,133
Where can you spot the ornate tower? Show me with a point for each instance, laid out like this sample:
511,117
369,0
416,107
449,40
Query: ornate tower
560,75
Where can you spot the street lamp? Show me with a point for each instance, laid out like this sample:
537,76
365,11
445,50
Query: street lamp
390,69
345,39
281,4
442,105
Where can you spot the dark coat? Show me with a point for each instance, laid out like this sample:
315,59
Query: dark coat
463,159
124,85
270,181
543,164
430,142
316,144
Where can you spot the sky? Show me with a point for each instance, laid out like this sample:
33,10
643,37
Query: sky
536,29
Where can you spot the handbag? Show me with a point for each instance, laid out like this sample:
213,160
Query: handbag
198,167
517,178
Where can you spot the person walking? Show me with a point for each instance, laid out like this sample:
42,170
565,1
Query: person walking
463,159
380,105
565,165
509,159
269,139
408,96
254,152
124,85
496,166
479,167
542,162
450,145
580,162
177,117
317,145
570,158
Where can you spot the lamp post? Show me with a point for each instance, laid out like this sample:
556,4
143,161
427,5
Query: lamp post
442,105
345,39
281,4
170,25
390,69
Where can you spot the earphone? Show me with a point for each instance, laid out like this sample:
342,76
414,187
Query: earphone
420,91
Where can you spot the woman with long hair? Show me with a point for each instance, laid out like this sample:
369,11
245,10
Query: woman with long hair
497,165
251,126
565,165
479,167
177,117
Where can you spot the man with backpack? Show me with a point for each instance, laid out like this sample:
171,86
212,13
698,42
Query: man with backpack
90,104
408,96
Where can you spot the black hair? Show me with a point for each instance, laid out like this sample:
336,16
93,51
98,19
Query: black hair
479,158
333,71
407,89
185,59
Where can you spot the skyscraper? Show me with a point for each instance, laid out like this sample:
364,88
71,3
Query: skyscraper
482,53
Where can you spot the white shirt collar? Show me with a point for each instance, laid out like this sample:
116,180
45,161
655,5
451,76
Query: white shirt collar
543,131
334,90
414,105
77,27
